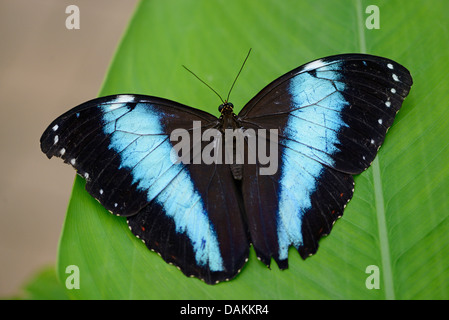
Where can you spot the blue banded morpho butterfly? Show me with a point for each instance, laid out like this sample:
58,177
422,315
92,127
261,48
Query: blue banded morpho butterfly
331,117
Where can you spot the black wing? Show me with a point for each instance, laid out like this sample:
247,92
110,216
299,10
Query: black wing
189,213
332,116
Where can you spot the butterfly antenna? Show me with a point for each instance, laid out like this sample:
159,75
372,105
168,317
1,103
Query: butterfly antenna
227,99
204,83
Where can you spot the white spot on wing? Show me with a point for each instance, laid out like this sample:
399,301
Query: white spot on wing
56,140
388,104
314,65
393,90
380,121
73,161
390,66
124,98
55,127
62,151
118,103
395,77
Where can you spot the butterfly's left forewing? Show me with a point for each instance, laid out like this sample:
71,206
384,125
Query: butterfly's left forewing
189,213
332,116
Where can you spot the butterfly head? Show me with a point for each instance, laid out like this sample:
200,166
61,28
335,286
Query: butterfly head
226,108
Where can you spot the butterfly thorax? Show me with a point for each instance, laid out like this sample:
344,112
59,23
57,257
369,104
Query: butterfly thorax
228,120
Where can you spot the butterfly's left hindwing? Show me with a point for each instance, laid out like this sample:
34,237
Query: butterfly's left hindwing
189,213
217,250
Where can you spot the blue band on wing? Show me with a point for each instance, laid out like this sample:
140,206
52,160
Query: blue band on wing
144,150
315,121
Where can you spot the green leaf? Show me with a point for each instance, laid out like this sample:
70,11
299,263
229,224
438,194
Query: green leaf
43,285
398,219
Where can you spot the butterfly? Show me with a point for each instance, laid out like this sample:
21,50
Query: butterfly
320,124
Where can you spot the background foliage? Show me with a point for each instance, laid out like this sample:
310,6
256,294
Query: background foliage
398,218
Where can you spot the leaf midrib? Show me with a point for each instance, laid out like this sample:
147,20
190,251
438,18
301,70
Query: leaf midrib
378,191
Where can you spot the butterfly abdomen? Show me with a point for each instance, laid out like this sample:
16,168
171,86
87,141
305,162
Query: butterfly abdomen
237,171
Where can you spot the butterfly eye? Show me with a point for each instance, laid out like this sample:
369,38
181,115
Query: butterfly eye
227,105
